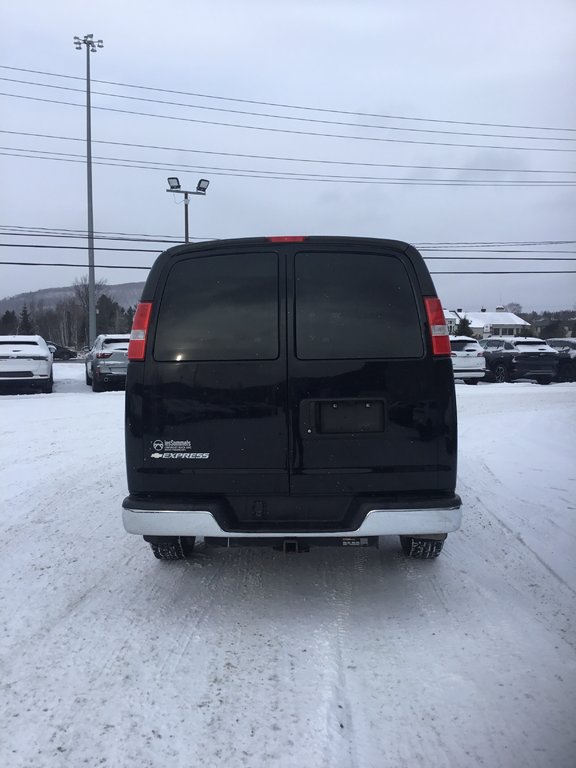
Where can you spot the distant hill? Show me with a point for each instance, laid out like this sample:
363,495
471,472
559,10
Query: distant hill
126,294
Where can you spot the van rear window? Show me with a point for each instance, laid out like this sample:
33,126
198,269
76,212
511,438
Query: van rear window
222,307
355,305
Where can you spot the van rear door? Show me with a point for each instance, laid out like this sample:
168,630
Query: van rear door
215,405
372,409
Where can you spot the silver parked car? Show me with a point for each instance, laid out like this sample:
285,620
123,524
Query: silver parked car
107,361
26,360
468,359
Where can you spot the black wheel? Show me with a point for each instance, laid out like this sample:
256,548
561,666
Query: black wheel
421,549
500,374
97,386
88,379
48,386
470,381
172,547
544,379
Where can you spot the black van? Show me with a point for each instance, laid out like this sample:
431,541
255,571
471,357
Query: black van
290,391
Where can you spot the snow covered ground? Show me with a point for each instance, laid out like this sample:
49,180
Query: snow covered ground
336,658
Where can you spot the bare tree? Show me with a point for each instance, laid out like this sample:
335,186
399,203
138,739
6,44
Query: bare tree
80,287
81,293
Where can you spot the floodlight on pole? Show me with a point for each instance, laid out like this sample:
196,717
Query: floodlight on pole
91,47
174,186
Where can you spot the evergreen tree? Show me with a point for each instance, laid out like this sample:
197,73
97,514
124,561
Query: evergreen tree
8,323
128,319
464,328
109,315
25,326
554,330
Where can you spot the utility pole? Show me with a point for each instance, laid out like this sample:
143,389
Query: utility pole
186,201
91,46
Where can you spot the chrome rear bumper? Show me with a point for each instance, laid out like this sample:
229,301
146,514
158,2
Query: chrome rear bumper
378,522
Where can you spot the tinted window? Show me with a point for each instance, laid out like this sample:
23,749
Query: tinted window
17,343
355,305
531,346
464,346
222,307
562,343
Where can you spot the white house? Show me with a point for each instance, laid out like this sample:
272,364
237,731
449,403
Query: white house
452,321
498,323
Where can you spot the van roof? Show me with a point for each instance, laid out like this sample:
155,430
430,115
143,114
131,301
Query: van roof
368,243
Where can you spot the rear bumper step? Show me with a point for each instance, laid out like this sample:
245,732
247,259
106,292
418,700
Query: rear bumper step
377,522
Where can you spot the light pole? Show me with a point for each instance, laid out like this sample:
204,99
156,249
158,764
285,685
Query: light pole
91,47
174,186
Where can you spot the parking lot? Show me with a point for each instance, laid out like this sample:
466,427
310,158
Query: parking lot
251,657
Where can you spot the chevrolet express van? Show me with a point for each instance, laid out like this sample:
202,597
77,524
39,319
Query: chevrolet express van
291,391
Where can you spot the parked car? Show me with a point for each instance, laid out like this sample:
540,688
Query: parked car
566,349
520,357
290,391
59,352
467,359
107,360
26,360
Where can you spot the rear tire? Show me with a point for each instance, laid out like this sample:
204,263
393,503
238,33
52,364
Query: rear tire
470,381
544,380
97,386
173,547
421,549
501,374
88,379
48,386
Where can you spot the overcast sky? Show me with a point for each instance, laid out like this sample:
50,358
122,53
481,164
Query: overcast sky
511,63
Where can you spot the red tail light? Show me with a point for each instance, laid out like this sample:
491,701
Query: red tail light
287,239
104,354
438,328
137,346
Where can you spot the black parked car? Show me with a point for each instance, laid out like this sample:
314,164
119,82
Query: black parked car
566,349
292,391
59,352
519,357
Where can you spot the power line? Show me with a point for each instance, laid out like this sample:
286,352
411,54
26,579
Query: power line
176,241
294,132
130,266
289,117
286,159
62,264
137,236
77,247
323,176
439,258
84,232
288,106
138,165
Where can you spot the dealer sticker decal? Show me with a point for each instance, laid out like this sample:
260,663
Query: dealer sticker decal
175,449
